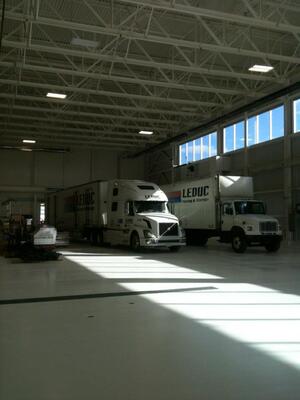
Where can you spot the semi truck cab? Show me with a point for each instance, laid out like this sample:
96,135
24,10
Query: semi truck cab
138,216
244,222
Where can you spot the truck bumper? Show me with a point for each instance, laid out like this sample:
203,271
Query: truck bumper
262,240
152,243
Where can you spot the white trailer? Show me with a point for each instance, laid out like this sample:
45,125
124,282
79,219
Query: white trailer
223,206
117,212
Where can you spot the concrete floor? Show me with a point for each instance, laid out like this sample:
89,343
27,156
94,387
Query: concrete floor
205,323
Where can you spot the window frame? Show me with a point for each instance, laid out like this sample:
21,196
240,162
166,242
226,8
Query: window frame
256,114
294,100
193,140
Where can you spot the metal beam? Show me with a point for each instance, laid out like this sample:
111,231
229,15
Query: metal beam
217,15
59,122
124,95
83,133
123,60
7,133
97,105
85,114
131,35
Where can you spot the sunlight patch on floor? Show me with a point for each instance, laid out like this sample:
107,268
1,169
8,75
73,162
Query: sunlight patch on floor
262,318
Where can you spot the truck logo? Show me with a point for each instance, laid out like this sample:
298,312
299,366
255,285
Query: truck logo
200,191
174,197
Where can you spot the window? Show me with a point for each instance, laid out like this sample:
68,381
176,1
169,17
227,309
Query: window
182,154
265,126
198,149
277,121
190,156
229,139
297,115
146,187
251,131
115,191
239,135
114,206
227,209
234,137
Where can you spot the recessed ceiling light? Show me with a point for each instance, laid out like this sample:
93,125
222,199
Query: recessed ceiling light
145,132
56,95
83,42
28,141
261,68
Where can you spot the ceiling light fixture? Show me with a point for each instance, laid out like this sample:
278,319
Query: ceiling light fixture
28,141
261,68
145,132
56,95
83,42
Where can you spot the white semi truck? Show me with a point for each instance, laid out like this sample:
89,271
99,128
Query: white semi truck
117,212
223,206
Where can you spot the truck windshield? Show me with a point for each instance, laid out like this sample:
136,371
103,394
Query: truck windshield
249,207
150,206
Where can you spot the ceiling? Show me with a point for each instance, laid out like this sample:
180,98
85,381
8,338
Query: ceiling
127,65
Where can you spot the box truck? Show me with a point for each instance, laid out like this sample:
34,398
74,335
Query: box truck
116,212
223,206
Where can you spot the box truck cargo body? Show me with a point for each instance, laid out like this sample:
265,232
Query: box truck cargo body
223,206
127,212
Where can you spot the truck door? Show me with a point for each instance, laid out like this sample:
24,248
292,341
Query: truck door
227,217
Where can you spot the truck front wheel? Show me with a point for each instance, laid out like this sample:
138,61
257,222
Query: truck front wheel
135,243
273,245
238,242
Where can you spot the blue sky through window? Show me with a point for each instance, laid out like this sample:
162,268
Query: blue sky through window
277,122
264,127
197,149
213,144
183,158
229,138
239,135
205,146
190,152
251,131
297,115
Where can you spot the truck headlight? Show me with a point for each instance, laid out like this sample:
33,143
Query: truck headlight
148,235
249,228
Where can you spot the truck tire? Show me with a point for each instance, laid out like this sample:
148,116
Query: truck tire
174,249
238,242
135,243
273,245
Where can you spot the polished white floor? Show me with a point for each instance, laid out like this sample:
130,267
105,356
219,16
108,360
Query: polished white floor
205,323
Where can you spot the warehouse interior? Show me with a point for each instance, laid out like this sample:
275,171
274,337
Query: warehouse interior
166,92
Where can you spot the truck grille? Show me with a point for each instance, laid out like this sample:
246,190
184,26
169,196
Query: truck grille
268,226
168,229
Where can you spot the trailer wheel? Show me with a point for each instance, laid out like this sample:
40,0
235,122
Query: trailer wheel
135,243
238,242
273,245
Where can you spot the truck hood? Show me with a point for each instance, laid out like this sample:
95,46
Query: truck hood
159,217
